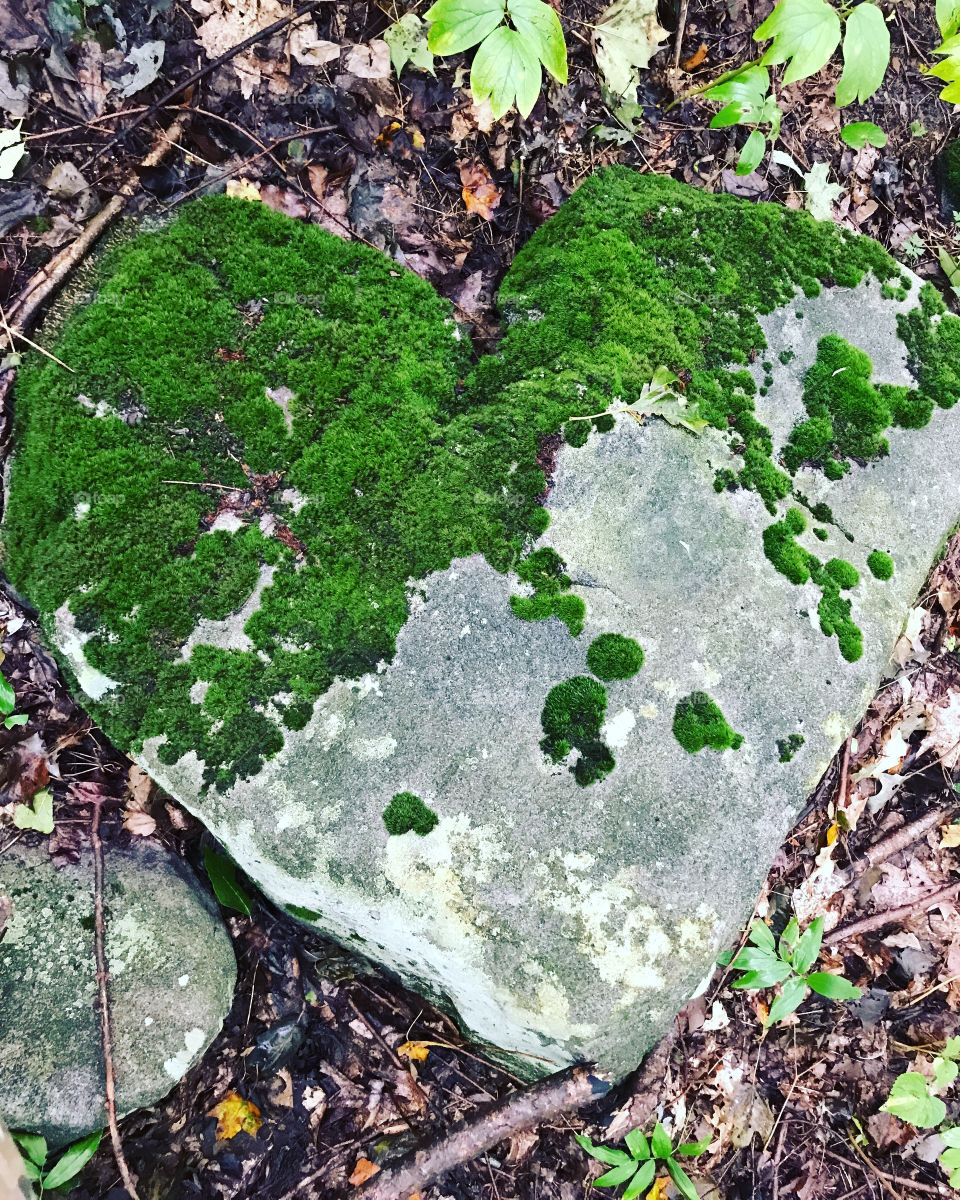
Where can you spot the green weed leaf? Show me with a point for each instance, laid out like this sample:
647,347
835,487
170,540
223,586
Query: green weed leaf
641,1181
775,973
910,1099
72,1161
762,935
952,1048
604,1154
820,192
790,999
616,1175
863,133
743,96
39,816
660,1143
682,1180
457,25
506,70
948,17
805,34
16,719
223,876
8,698
33,1146
637,1144
808,947
752,153
540,27
755,958
945,1072
692,1149
866,54
834,987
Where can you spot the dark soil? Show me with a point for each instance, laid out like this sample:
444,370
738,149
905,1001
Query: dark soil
345,1067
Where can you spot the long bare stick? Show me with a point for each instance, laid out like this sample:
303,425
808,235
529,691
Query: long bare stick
544,1101
892,915
106,1034
50,277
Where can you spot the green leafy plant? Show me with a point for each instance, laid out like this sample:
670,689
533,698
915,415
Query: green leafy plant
8,702
768,963
70,1163
38,815
948,71
915,1099
514,39
803,35
863,133
637,1166
223,877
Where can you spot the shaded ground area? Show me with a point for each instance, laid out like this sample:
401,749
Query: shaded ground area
345,1068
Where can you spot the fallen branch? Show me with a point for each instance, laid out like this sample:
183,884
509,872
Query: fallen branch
50,277
892,915
96,799
901,839
562,1093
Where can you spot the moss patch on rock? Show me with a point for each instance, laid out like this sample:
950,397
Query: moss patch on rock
698,723
880,564
407,813
270,432
572,718
613,656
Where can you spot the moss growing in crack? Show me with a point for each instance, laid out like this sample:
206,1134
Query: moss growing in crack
613,656
407,813
788,747
699,723
821,534
572,718
880,564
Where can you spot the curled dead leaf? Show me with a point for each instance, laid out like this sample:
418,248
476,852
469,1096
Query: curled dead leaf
480,194
139,823
414,1051
696,58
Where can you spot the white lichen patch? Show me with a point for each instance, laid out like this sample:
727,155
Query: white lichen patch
226,522
371,748
71,642
282,396
177,1065
616,732
129,941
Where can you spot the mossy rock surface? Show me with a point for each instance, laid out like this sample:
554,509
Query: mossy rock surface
172,974
405,553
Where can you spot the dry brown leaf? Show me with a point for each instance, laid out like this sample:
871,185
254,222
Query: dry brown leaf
371,61
284,200
480,194
231,21
140,785
139,823
363,1171
699,56
235,1115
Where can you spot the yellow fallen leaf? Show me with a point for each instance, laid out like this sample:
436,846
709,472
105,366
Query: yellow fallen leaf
659,1189
234,1115
363,1171
833,833
415,1051
242,189
950,837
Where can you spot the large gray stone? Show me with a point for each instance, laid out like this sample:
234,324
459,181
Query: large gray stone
172,974
563,921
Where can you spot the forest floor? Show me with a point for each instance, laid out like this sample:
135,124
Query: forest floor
346,1070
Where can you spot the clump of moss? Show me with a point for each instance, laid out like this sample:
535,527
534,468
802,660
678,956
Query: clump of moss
613,656
880,564
698,723
572,718
788,747
545,571
407,813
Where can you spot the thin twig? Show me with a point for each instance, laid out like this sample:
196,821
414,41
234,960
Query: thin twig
99,944
222,487
892,915
900,839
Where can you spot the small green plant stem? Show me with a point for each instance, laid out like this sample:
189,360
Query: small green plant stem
97,799
705,87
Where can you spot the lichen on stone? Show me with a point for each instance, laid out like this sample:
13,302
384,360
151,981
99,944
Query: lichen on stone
698,723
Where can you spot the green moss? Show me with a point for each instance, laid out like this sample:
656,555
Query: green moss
613,656
783,550
787,747
407,813
698,723
880,564
405,456
821,534
301,913
572,718
544,570
786,357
